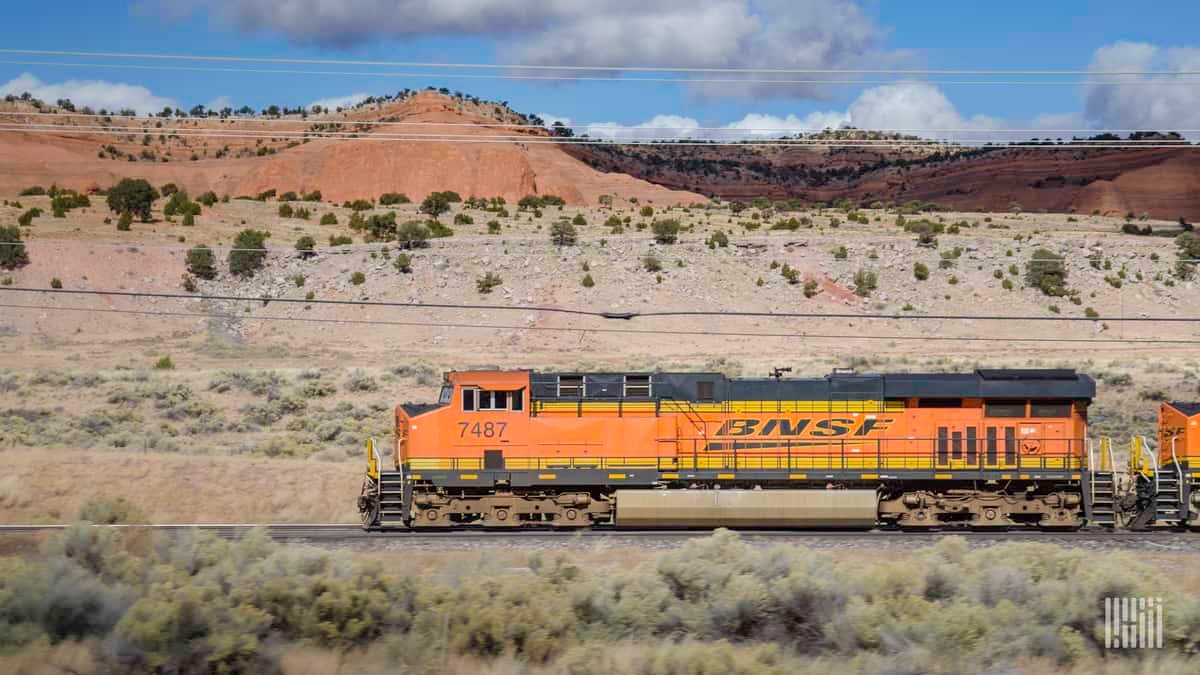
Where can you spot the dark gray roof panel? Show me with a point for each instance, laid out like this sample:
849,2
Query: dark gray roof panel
994,384
1188,409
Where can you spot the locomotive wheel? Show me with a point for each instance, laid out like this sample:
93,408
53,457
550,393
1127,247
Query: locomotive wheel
368,505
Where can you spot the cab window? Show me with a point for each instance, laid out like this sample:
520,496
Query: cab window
487,400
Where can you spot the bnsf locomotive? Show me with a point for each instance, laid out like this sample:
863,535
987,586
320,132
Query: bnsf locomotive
994,448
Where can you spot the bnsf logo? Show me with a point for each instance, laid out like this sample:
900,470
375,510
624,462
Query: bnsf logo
822,428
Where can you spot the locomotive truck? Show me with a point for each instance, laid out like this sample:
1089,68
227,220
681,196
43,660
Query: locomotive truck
988,449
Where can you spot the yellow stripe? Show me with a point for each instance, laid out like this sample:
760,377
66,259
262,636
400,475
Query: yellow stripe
943,476
724,476
415,476
870,476
797,476
1074,476
547,476
616,476
670,475
467,476
1006,476
741,407
1024,476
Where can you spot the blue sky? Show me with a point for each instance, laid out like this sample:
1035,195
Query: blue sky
724,33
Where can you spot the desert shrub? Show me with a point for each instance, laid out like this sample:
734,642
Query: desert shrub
487,282
249,253
208,198
438,230
110,511
1047,272
1188,251
306,246
56,283
651,263
812,288
124,222
920,271
393,198
463,219
359,205
579,220
133,196
12,249
288,197
164,363
403,263
359,381
329,219
840,253
263,384
718,238
285,210
435,204
588,281
865,281
340,240
563,233
180,205
35,191
665,231
358,278
26,218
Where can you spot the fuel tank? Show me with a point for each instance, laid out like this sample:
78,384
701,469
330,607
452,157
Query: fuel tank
778,509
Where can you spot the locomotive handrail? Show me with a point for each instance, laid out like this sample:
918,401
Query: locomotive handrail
1178,469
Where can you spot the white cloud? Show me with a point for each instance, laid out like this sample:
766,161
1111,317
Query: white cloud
918,108
789,34
94,93
336,102
1144,102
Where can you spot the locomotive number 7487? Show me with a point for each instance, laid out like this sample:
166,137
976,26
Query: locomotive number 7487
481,429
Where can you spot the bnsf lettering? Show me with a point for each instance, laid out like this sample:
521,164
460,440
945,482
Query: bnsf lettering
822,428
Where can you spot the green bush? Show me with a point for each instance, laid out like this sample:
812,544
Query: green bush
438,230
562,233
865,281
579,220
110,511
208,198
840,253
718,238
285,210
587,281
340,240
487,282
393,198
651,264
403,263
665,231
358,278
306,247
463,219
435,204
124,222
249,253
329,219
1047,272
920,271
26,219
133,196
493,227
164,363
56,283
201,262
12,249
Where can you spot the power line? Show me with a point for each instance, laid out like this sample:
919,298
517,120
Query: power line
587,78
548,140
601,315
579,68
575,329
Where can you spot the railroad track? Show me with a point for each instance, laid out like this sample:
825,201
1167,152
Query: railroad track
333,532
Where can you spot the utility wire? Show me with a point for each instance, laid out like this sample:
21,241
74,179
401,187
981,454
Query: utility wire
578,68
613,78
575,329
602,315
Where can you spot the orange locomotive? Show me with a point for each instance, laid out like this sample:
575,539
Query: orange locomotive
521,448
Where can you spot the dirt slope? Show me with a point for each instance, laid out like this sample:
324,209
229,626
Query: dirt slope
270,157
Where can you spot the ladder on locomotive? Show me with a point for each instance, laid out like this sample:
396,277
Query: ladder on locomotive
1159,488
1101,495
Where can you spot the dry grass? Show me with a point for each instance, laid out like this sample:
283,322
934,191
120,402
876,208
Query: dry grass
171,488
